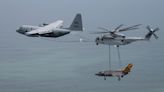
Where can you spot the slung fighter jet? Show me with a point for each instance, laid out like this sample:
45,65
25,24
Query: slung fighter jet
54,29
118,73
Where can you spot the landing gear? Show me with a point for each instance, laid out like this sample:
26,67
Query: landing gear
97,39
102,39
119,78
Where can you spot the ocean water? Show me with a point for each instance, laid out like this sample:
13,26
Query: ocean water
61,65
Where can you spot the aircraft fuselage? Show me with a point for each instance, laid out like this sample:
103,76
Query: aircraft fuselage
55,33
117,41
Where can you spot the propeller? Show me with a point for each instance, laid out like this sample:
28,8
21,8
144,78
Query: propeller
152,31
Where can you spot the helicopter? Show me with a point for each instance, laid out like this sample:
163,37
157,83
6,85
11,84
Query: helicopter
115,38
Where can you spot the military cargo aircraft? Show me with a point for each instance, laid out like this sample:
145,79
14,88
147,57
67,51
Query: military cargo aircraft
53,30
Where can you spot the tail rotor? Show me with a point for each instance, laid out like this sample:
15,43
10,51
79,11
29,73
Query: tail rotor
151,32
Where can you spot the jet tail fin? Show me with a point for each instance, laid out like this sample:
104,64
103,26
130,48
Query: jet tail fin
127,69
77,23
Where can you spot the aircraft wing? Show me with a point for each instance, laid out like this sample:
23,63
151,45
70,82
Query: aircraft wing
47,29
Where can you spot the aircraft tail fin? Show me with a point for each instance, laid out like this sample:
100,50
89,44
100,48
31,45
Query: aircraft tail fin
151,32
77,23
127,69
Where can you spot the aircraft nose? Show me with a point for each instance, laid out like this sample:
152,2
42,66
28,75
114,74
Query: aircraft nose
19,31
97,74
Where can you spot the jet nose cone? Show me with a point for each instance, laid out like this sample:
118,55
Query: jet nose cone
20,31
97,74
17,30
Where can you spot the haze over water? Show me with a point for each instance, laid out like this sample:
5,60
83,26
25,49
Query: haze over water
47,65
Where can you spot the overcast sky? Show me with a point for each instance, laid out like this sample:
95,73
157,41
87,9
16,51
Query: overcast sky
95,13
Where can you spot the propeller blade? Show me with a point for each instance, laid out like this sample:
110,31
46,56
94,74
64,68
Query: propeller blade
116,29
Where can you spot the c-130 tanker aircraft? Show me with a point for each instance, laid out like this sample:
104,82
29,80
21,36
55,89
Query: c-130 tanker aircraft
52,30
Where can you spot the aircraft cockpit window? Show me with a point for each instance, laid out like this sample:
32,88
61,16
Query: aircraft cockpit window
21,28
100,72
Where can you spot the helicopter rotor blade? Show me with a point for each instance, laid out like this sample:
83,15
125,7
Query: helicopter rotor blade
100,32
116,29
130,28
105,29
136,25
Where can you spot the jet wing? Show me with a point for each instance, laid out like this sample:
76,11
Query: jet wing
47,29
